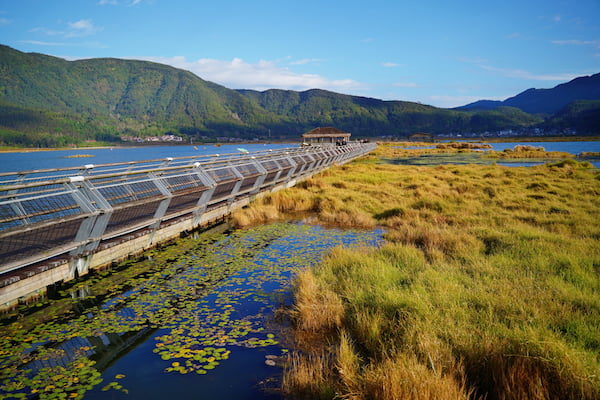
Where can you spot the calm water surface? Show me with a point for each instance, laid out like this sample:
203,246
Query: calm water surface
185,324
575,148
21,161
29,160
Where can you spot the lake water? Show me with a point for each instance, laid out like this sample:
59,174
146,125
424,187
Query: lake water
29,160
575,148
191,321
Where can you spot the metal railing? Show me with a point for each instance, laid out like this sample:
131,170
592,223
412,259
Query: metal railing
71,211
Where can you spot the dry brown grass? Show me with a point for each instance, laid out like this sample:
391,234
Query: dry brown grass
308,376
255,215
404,377
316,309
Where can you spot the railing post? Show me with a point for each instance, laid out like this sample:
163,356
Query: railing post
312,166
162,207
17,207
261,178
92,227
206,195
292,170
238,184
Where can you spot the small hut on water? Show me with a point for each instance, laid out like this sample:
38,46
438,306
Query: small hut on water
326,135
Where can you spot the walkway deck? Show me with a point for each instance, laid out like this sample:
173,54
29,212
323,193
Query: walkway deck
56,224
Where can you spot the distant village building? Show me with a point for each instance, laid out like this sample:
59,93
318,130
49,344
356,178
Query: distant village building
326,135
164,138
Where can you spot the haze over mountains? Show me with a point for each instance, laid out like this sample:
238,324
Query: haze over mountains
47,101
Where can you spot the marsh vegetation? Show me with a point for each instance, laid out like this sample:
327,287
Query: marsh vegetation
487,286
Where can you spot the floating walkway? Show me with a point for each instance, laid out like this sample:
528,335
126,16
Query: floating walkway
57,224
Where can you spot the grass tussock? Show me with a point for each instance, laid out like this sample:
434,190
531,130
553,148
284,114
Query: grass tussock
526,151
488,285
463,146
316,309
311,378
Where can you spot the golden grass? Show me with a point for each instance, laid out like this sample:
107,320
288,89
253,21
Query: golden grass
308,376
316,309
526,151
488,285
404,377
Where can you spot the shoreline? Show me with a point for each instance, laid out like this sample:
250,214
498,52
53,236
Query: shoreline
36,149
474,138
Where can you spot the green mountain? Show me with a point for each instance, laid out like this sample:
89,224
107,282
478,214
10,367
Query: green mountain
371,117
124,96
47,101
581,115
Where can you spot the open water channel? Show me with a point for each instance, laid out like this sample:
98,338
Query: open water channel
197,319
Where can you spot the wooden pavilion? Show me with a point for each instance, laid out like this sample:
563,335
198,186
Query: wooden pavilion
326,135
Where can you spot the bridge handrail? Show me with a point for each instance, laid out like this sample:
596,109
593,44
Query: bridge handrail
75,212
21,176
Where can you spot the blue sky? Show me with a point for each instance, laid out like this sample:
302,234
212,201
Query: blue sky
441,53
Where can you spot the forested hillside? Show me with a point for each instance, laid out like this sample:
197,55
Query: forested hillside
47,101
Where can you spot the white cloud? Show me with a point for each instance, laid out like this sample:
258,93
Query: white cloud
41,43
522,74
305,61
595,43
127,3
91,45
263,75
83,27
390,64
454,101
472,60
5,21
405,84
48,32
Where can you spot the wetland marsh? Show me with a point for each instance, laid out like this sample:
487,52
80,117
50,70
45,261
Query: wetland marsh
486,284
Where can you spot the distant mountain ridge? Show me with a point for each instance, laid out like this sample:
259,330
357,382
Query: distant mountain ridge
47,101
546,101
